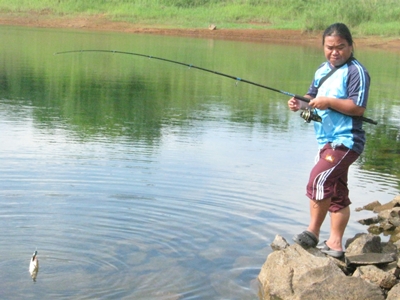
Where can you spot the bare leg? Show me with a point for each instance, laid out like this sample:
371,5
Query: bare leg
318,211
339,222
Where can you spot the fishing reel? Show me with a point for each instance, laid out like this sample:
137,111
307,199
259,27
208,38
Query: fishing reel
310,115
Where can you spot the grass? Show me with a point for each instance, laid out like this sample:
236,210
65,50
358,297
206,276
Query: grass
365,17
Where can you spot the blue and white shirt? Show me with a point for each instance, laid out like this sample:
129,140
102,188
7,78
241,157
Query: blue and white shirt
350,81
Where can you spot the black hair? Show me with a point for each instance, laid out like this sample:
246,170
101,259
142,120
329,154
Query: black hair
338,29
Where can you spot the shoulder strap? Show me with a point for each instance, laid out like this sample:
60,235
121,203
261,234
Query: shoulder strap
334,69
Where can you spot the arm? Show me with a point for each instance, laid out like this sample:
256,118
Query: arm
345,106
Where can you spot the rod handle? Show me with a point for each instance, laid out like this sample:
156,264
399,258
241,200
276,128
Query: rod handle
302,98
368,120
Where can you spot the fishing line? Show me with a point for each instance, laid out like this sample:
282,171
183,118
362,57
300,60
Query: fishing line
238,79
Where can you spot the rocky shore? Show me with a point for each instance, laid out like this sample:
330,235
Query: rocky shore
370,268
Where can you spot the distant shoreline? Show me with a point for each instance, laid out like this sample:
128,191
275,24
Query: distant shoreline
100,23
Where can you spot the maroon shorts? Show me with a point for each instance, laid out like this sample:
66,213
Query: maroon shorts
328,178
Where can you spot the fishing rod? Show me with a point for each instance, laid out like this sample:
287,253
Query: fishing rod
308,115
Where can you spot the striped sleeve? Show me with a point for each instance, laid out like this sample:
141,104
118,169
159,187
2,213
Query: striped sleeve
358,82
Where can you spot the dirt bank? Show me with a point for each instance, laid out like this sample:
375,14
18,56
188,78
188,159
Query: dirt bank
101,23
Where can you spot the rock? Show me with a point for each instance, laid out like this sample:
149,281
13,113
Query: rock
389,247
375,229
370,259
296,268
370,270
384,215
397,244
394,203
394,235
369,221
363,243
342,288
279,243
387,220
391,268
386,226
296,273
394,216
369,206
341,263
376,276
394,293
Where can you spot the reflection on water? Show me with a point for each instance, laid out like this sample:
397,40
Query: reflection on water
144,180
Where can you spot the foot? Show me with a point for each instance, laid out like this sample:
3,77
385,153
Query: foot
306,239
328,251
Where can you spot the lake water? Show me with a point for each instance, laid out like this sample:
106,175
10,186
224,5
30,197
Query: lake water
140,179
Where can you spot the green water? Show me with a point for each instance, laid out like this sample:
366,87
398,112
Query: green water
97,92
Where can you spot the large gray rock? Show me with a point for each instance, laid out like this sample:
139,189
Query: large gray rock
294,273
339,288
363,243
376,276
370,259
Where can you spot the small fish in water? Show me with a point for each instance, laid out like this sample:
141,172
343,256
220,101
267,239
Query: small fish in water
34,266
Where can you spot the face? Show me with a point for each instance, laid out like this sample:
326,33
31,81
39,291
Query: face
337,50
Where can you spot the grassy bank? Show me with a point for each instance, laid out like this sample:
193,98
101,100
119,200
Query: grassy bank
365,17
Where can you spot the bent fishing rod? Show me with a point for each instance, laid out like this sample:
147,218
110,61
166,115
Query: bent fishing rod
308,115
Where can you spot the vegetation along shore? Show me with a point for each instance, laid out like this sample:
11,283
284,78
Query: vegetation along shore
374,23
